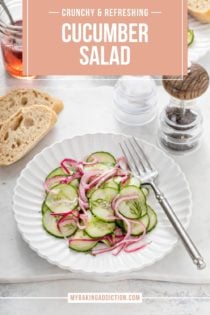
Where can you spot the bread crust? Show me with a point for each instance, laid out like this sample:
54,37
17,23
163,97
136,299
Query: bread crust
58,106
201,16
14,100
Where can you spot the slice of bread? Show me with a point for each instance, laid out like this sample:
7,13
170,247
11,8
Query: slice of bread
22,98
20,133
200,9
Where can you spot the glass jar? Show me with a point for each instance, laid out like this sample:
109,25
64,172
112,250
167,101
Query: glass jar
11,36
181,122
135,100
181,125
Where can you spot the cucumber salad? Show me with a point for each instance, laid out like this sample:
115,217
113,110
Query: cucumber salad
97,205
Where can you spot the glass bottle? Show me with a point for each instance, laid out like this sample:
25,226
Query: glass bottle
11,37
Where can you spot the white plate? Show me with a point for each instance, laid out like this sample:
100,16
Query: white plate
29,195
201,45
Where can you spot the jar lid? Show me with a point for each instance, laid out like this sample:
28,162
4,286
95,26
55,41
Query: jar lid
193,85
136,87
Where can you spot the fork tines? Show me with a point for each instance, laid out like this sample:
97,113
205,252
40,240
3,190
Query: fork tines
136,157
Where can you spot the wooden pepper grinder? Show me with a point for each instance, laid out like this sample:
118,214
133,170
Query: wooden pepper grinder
181,121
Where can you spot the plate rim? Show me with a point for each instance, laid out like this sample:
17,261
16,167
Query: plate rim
103,273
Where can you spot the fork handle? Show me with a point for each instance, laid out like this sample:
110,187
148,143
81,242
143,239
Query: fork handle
188,243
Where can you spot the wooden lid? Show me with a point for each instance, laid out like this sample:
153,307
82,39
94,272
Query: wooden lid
193,85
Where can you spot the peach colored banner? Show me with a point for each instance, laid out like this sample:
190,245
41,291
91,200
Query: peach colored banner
97,37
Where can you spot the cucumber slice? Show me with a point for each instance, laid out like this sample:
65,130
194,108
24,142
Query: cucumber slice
98,166
133,209
107,194
75,183
117,179
79,245
44,208
145,191
133,181
98,228
102,157
100,203
137,228
107,243
190,37
60,172
120,224
90,192
62,198
50,225
111,183
153,219
103,211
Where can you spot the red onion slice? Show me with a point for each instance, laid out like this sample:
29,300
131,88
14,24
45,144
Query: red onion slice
77,165
92,163
122,163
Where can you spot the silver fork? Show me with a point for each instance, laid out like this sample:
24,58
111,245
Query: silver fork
141,166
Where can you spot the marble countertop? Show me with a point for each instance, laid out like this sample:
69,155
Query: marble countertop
59,289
